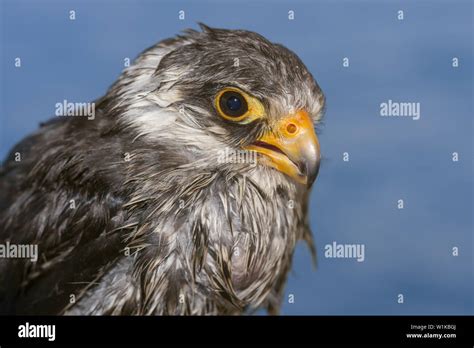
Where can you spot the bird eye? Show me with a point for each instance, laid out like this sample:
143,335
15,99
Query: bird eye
235,105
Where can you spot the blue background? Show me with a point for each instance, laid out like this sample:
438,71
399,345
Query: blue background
408,251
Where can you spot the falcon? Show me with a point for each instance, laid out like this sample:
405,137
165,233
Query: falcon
137,212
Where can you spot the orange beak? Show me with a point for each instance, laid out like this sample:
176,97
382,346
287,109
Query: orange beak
291,147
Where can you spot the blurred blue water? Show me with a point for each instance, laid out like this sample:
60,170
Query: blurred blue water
408,251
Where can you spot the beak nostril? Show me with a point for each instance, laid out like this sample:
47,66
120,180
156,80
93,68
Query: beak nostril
291,128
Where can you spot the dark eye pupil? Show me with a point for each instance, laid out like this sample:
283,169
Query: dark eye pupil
233,104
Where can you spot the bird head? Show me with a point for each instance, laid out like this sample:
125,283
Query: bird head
215,91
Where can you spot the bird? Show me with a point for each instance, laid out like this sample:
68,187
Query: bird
150,208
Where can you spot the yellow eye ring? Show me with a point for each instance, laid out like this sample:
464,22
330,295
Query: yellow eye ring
235,105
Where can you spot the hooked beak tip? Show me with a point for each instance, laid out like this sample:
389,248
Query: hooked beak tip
311,173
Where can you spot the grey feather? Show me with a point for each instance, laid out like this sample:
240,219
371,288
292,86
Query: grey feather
171,230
